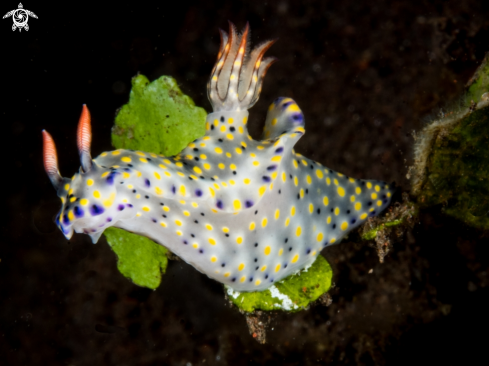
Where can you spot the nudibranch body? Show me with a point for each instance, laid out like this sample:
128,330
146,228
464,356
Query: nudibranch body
246,213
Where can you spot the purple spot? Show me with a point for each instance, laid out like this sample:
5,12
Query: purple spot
109,219
65,219
279,150
198,192
201,251
271,167
308,251
298,117
248,204
146,181
219,204
266,178
120,207
57,220
353,221
78,211
96,210
285,105
185,242
129,205
173,189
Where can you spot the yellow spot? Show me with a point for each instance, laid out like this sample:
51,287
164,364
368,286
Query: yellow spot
295,164
126,159
351,180
105,174
295,259
138,214
212,241
84,202
145,161
259,147
352,199
332,240
379,203
369,185
163,224
263,269
232,167
292,211
223,128
208,227
202,144
301,193
241,267
239,240
70,215
298,231
218,150
304,162
126,175
262,190
264,222
277,214
228,154
146,208
237,204
296,181
319,237
277,158
212,192
178,222
242,279
158,190
240,129
166,208
246,181
213,258
182,202
230,136
328,220
373,195
358,206
308,179
103,154
162,166
341,191
252,226
238,150
287,222
182,190
203,156
267,250
227,274
319,174
274,122
363,216
256,163
280,252
186,213
311,208
207,166
89,183
284,176
388,194
195,245
377,188
328,181
117,152
257,282
277,267
344,226
232,182
179,233
336,211
72,199
221,166
197,170
96,194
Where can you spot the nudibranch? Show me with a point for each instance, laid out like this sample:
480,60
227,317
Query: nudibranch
246,213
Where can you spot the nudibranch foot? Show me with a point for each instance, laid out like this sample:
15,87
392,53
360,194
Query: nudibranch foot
246,213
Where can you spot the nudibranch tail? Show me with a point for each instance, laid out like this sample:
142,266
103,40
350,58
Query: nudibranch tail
236,79
50,159
84,139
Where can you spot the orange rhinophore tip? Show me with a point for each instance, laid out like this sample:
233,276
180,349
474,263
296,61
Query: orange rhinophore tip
50,159
84,139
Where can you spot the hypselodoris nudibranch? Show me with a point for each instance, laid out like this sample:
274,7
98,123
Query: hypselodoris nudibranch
246,213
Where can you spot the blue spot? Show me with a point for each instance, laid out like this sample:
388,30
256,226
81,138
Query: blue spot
278,100
271,167
198,192
173,189
146,181
219,204
266,178
285,105
65,219
308,251
120,207
57,220
279,150
78,211
298,117
109,219
129,205
248,204
96,210
353,221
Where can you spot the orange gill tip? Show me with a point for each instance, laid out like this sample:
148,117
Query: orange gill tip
84,139
50,159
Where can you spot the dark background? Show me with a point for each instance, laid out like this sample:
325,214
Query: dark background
366,74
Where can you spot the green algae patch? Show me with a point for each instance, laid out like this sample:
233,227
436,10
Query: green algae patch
138,258
372,234
293,293
452,157
158,118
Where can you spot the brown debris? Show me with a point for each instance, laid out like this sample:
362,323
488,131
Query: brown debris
257,322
